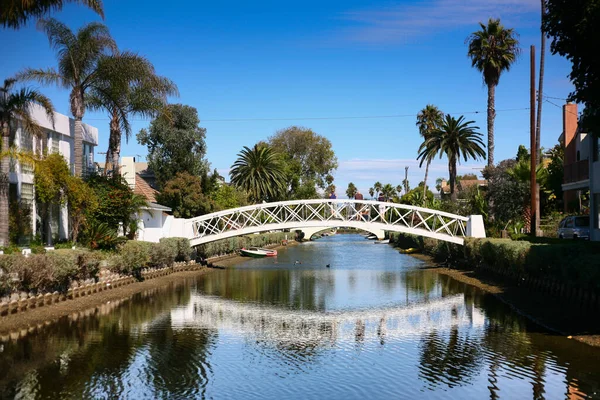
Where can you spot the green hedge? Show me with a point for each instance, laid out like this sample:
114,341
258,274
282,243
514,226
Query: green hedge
48,272
231,245
576,263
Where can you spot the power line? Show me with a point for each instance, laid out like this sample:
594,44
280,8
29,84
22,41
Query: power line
325,118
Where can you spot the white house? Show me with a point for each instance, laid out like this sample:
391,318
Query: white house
153,222
60,139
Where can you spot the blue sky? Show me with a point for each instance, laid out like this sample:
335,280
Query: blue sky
267,65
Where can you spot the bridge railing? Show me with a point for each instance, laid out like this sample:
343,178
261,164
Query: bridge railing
324,212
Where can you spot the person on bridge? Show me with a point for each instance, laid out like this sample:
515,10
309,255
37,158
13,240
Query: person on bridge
333,207
359,213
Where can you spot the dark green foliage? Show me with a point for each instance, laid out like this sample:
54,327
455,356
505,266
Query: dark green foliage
308,159
456,139
175,143
181,246
184,195
116,202
16,13
569,262
20,222
506,195
573,26
100,236
259,172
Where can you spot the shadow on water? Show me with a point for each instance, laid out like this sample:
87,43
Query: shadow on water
374,324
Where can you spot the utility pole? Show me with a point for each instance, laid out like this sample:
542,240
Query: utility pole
533,147
405,180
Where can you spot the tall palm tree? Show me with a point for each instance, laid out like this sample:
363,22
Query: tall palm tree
377,187
492,49
258,171
78,55
15,13
126,84
428,119
16,105
388,191
455,138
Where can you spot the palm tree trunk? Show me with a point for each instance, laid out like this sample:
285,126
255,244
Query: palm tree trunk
4,187
78,146
452,173
491,116
538,129
115,144
78,109
425,182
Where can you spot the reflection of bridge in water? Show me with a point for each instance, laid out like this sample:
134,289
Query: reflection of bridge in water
288,325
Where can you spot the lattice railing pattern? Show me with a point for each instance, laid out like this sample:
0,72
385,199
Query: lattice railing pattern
387,216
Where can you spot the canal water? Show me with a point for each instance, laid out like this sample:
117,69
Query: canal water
374,324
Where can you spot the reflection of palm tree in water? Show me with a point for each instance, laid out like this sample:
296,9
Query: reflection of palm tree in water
452,361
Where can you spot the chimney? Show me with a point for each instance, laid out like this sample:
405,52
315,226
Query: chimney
128,170
570,132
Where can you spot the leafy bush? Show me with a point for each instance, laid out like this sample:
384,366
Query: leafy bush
52,271
135,255
101,236
181,246
163,254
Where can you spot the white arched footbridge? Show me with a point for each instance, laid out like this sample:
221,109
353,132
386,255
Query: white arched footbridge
320,214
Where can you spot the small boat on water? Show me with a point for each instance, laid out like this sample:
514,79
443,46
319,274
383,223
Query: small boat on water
409,250
384,241
372,237
258,252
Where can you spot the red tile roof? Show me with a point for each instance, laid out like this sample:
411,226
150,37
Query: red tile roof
143,188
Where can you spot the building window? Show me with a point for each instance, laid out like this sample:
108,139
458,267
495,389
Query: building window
27,193
53,139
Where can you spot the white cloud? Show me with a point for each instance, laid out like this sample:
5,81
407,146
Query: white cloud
403,22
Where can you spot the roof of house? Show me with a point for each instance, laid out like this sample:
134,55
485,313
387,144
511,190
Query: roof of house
144,189
464,184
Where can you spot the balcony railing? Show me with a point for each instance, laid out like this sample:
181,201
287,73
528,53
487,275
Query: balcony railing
577,171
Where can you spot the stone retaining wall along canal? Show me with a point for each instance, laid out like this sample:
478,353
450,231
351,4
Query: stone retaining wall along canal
24,302
568,270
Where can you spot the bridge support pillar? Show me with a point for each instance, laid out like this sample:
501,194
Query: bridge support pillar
475,226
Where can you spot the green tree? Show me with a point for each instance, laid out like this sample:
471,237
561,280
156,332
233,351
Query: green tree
51,177
175,143
555,176
16,13
77,55
16,105
376,189
455,138
258,171
388,191
183,194
117,204
573,26
505,195
227,197
82,202
351,190
428,119
308,158
492,50
126,85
